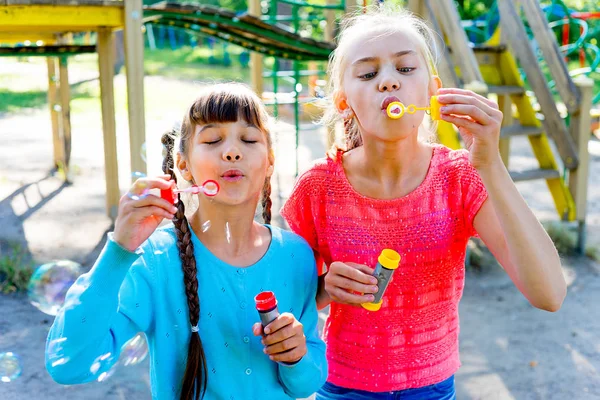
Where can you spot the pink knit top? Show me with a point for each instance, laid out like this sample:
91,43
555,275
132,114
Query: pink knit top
412,341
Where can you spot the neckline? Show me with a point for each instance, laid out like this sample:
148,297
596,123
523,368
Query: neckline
414,192
275,236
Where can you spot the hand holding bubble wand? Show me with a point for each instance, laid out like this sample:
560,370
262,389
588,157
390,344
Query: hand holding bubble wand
209,188
396,109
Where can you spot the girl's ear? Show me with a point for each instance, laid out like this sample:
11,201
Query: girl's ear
183,168
341,104
271,166
435,84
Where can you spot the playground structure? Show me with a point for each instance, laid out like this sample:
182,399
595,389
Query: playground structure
490,67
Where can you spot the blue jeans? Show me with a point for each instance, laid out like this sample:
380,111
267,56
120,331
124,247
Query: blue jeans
439,391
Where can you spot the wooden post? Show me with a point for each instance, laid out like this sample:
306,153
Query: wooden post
505,105
134,61
554,125
446,70
553,56
65,101
107,98
417,7
256,59
578,177
52,105
445,12
330,37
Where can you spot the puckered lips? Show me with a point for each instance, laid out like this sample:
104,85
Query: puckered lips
387,101
232,175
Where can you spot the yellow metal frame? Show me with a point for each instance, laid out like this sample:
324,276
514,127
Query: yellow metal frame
55,19
563,199
507,73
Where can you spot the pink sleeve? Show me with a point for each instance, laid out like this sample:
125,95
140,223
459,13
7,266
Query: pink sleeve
473,193
300,213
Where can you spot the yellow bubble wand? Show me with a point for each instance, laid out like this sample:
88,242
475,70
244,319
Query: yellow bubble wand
396,109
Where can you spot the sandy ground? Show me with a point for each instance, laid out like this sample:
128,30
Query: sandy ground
509,350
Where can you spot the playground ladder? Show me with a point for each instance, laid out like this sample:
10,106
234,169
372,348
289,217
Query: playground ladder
494,66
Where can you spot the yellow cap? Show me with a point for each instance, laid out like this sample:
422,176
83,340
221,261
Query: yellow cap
389,259
372,306
435,108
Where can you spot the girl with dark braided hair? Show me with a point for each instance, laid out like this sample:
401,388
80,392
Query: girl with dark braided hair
190,287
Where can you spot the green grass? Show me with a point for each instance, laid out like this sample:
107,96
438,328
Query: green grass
16,269
194,64
14,101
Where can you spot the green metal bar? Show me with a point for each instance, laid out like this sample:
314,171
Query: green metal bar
46,51
273,16
238,24
295,13
340,6
240,40
292,73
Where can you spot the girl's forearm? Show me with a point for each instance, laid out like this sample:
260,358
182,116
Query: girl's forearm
538,272
323,298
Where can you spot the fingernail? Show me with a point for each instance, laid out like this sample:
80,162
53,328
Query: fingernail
374,281
262,342
371,298
444,109
173,209
267,331
271,357
374,289
265,350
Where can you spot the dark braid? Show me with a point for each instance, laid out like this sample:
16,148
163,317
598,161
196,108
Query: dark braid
266,201
195,376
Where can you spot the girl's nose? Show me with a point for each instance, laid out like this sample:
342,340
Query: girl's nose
233,154
388,83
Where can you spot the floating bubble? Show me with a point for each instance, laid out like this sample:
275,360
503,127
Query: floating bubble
10,367
134,351
100,363
227,232
139,189
55,352
137,175
107,374
205,226
49,285
143,152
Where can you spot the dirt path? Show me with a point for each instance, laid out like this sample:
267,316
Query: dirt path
509,350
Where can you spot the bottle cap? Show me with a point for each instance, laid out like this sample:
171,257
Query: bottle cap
372,306
389,259
265,301
435,108
169,195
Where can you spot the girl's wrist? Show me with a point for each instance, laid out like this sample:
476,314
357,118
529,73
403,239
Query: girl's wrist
494,176
494,166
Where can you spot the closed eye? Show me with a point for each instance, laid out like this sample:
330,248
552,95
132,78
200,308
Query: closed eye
249,141
368,76
212,141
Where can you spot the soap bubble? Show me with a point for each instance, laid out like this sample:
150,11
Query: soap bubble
140,189
49,285
10,367
143,152
134,351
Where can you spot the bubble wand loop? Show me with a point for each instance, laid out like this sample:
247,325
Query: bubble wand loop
396,109
209,188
